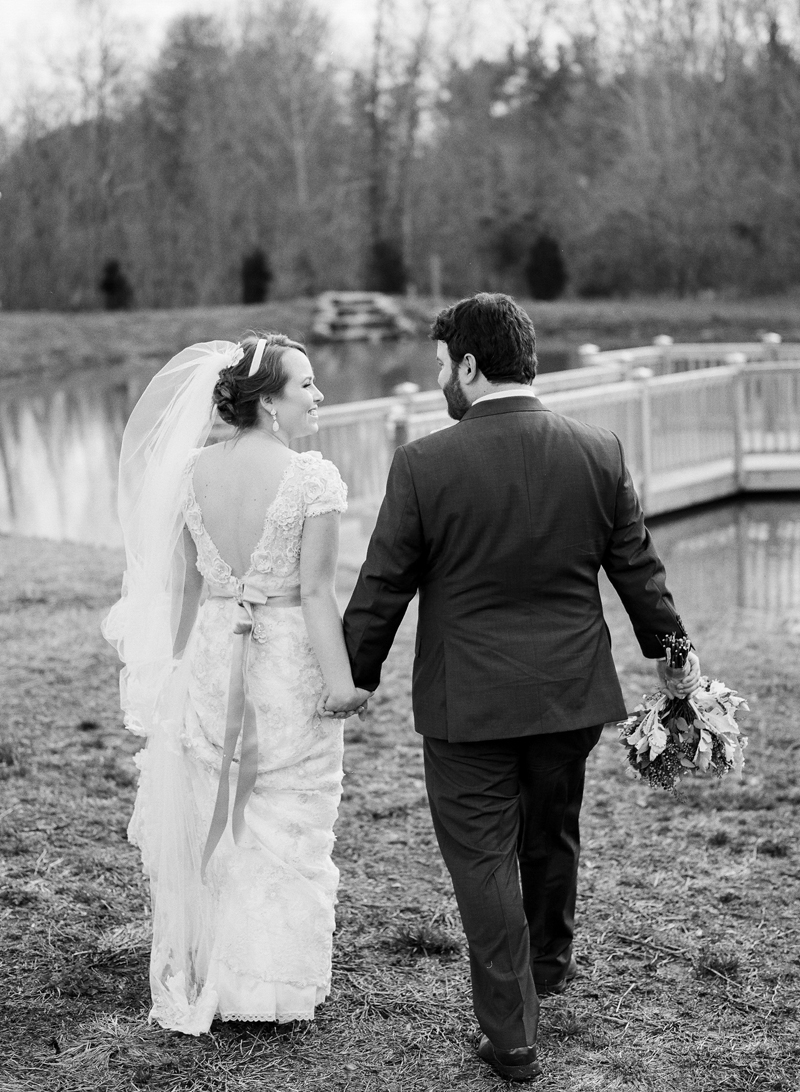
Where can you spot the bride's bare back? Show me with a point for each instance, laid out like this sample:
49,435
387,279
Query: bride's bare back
235,484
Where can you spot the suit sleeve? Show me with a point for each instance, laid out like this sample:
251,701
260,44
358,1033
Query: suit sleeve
388,579
637,572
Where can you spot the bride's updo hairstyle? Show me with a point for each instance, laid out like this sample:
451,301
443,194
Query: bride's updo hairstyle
237,393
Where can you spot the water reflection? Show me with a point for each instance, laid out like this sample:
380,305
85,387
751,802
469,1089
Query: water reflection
734,562
59,451
354,371
60,439
58,467
59,448
359,370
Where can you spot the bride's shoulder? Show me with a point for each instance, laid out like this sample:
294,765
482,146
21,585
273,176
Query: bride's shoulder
312,463
191,461
213,458
308,458
322,485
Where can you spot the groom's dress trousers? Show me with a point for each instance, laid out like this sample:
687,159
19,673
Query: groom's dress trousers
502,523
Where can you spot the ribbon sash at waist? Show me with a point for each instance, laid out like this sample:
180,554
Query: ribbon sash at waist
241,716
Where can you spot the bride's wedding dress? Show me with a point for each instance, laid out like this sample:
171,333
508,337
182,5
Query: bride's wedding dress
252,940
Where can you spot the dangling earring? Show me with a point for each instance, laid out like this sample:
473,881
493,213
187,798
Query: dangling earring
275,426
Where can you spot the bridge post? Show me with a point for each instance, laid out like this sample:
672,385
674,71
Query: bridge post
665,343
397,418
739,360
643,377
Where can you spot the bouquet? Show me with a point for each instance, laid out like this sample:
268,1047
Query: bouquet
668,737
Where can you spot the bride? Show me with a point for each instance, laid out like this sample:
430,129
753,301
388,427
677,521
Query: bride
230,633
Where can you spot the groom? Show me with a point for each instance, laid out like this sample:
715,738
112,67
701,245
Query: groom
502,524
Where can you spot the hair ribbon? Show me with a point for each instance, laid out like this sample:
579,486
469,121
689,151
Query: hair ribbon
258,352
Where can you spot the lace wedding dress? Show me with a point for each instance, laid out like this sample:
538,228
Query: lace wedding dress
253,939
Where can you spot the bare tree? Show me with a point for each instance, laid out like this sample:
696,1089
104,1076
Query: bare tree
287,41
392,101
656,143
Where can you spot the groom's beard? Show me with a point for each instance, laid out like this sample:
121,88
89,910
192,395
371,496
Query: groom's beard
457,402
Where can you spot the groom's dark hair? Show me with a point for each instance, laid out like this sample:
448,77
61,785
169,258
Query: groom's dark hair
497,332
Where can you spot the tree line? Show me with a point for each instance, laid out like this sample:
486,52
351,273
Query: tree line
661,158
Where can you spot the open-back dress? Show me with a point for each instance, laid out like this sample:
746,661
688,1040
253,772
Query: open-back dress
252,939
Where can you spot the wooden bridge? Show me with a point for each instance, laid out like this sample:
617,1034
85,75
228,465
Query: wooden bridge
698,422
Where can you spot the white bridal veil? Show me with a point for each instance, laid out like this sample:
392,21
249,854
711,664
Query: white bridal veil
173,416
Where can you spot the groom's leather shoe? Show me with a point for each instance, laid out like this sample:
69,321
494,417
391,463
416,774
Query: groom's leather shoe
548,989
519,1064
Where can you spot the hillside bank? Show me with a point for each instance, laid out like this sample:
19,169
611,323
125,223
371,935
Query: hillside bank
60,343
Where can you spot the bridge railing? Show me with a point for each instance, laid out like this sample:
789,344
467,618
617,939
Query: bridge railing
360,437
688,436
665,359
771,397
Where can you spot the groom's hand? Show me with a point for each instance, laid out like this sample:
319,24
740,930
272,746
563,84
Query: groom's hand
364,696
680,686
340,706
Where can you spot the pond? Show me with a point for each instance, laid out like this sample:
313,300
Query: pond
59,446
735,564
58,465
60,440
359,370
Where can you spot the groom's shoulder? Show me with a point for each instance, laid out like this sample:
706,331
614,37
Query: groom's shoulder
457,449
583,431
453,438
440,443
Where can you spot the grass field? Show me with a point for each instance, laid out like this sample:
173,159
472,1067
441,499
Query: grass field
688,930
32,342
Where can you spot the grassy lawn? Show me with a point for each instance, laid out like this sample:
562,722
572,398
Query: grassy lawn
688,933
63,342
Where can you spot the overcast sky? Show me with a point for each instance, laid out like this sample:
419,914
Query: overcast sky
25,21
35,33
38,35
34,18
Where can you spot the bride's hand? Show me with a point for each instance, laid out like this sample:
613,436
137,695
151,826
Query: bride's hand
344,704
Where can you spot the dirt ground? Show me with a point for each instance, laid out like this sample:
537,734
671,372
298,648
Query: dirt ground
688,932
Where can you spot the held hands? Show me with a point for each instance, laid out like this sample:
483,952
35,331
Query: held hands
340,705
680,682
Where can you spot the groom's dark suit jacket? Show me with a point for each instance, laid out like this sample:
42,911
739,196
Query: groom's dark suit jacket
502,523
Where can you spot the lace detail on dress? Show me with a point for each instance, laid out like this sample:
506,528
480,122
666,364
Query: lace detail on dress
323,488
310,486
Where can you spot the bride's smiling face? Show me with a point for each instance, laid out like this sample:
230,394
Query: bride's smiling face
297,403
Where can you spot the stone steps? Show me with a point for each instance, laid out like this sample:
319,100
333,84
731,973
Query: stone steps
359,316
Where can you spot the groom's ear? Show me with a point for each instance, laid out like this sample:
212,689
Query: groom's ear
469,368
